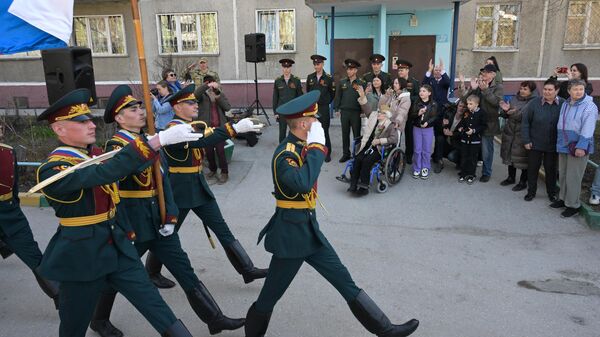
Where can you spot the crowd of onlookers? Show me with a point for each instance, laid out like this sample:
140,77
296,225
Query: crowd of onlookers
551,124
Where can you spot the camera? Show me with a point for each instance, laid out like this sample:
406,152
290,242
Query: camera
154,92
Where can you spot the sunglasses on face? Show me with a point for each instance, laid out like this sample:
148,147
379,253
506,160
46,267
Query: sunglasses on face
172,75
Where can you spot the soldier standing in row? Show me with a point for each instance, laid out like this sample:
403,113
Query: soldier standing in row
285,88
93,247
346,102
322,81
190,189
376,63
139,204
15,234
293,235
200,70
413,87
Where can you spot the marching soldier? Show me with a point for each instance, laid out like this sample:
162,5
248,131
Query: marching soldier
346,101
139,204
413,87
15,234
376,62
190,189
285,88
322,81
197,74
93,248
293,235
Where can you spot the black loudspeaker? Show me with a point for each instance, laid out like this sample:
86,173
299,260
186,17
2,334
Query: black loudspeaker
256,51
67,69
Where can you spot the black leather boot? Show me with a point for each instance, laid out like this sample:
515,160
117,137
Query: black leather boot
50,288
256,322
375,321
153,267
100,322
177,330
242,262
209,312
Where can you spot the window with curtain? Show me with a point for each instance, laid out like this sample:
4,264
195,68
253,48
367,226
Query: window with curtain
103,34
279,27
583,24
497,26
190,33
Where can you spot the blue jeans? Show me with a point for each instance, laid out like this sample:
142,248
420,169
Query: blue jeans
596,184
487,153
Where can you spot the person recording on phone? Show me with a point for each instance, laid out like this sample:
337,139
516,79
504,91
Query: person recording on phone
163,111
398,99
577,71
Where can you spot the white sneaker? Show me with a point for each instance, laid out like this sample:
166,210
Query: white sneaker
594,200
479,163
424,173
416,174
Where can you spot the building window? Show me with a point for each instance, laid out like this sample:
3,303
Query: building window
583,24
279,27
497,26
104,35
193,33
24,55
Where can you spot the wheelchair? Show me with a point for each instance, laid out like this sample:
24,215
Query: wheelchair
388,171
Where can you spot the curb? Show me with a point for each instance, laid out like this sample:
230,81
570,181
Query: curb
33,199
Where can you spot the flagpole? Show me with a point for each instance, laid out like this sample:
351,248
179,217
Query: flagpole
137,24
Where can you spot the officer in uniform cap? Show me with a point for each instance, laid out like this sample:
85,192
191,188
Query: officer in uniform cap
139,202
15,234
346,101
293,235
190,189
285,88
197,75
412,87
93,247
376,62
322,81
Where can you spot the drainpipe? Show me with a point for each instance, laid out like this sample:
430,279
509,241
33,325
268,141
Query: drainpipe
454,47
235,41
331,44
383,33
543,39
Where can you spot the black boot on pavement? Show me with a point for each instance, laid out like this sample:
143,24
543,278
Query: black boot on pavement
153,267
569,212
208,311
243,264
177,330
100,322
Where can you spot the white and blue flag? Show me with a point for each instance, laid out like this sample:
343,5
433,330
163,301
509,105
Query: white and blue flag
27,25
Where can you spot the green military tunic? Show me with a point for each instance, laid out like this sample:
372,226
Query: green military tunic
284,92
326,86
198,75
93,247
386,79
346,100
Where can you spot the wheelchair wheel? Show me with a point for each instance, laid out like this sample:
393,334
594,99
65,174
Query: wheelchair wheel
382,186
394,166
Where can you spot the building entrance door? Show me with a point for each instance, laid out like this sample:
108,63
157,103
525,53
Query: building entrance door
356,49
417,50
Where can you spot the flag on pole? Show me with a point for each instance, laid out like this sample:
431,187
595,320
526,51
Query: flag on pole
27,25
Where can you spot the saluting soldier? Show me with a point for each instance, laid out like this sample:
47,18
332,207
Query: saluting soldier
201,70
285,88
15,234
412,87
376,63
190,189
93,247
346,102
322,81
293,235
139,204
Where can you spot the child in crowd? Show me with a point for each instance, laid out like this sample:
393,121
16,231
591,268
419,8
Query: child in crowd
470,128
423,115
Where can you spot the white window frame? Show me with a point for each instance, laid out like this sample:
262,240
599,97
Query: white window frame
588,19
178,34
109,39
495,22
277,10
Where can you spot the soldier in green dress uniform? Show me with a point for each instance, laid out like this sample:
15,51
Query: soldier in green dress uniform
376,63
322,81
92,247
285,88
413,87
293,235
190,189
15,234
346,101
139,205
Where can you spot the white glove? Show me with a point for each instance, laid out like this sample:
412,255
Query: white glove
246,125
316,134
180,133
167,230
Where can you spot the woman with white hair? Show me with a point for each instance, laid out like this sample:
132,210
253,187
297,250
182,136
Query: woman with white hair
379,131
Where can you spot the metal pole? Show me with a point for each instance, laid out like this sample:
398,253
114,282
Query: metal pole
331,44
454,47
